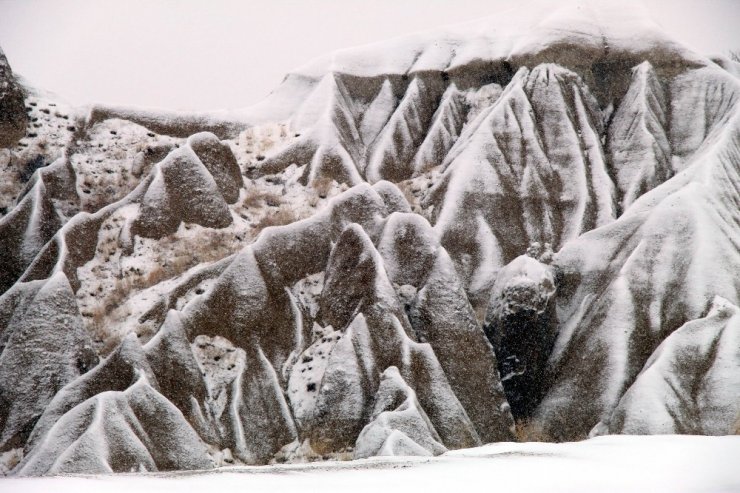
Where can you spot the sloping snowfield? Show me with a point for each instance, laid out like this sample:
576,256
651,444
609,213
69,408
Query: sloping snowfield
606,464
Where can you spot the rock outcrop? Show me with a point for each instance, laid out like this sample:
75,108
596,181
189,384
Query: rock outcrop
44,346
13,117
129,431
398,424
456,238
658,267
638,139
183,190
690,384
521,324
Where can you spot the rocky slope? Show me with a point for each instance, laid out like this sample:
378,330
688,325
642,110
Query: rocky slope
517,228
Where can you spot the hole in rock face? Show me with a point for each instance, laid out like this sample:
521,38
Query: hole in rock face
83,365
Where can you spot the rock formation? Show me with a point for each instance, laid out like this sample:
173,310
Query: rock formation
13,117
416,246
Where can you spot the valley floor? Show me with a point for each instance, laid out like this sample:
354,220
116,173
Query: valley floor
605,464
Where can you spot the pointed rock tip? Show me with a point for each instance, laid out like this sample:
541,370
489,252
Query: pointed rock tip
392,196
171,327
202,138
420,223
643,68
58,280
142,383
391,378
353,232
550,70
130,349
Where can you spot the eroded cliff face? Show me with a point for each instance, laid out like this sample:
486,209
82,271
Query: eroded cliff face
480,237
13,117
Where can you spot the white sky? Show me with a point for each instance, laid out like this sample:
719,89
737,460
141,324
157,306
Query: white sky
187,54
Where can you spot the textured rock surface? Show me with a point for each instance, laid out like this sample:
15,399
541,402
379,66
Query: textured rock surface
25,231
512,228
398,424
131,431
182,189
638,139
13,117
658,267
220,163
530,168
43,347
690,384
522,325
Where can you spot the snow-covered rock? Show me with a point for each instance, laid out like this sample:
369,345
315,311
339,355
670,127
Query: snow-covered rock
13,117
690,383
129,431
530,168
182,189
638,139
172,363
363,264
115,373
44,346
655,269
392,152
521,324
220,163
398,424
25,231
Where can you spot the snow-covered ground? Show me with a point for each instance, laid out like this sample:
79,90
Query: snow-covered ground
614,463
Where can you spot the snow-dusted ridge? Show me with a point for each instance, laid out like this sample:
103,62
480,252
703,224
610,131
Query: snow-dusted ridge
525,228
578,32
